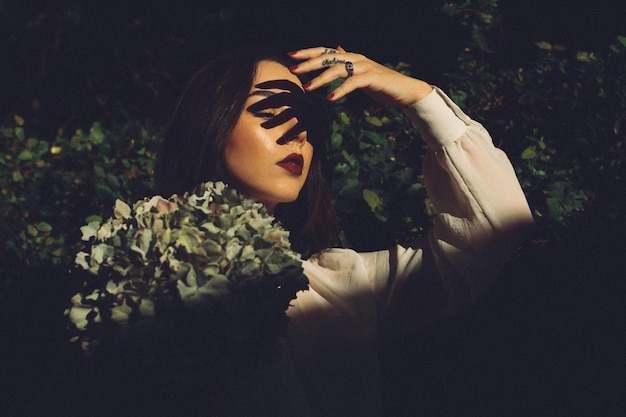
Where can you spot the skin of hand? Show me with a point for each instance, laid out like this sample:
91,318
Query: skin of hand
377,81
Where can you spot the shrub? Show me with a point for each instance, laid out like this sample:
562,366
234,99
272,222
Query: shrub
48,189
376,181
559,117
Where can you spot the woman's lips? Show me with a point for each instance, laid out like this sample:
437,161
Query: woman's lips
292,163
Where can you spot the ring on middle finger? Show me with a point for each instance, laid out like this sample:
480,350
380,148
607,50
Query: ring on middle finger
349,69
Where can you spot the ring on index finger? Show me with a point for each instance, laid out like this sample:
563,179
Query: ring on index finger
349,68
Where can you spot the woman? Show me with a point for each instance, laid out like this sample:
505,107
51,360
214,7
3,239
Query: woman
246,120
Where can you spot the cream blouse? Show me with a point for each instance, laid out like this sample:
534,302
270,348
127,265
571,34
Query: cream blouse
358,300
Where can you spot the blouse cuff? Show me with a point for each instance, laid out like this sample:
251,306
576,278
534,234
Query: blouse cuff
438,119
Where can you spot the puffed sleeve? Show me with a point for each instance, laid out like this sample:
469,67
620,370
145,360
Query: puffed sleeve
481,217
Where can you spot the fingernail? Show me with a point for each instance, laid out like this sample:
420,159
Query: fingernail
307,85
293,68
292,53
330,96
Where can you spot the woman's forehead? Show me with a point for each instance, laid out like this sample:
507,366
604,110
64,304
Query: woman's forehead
270,70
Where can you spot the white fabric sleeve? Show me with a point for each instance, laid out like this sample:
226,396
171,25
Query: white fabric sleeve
482,215
356,300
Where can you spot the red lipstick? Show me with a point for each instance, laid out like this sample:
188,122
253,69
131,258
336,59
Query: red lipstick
292,163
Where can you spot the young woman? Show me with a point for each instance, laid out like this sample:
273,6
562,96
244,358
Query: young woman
246,119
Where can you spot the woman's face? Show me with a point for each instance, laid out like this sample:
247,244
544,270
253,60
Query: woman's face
270,162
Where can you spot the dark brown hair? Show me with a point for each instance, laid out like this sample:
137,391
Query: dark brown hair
194,147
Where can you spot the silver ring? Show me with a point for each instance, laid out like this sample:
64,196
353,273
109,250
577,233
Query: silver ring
349,68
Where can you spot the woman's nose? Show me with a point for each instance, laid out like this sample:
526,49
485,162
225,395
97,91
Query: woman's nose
301,138
293,132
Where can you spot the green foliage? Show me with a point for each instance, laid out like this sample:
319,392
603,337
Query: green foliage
379,194
559,117
49,187
479,16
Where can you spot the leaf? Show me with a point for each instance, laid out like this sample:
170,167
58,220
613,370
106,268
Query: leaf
415,188
121,210
143,243
622,40
429,207
18,120
25,155
7,132
349,158
31,230
99,171
94,218
543,45
371,198
101,252
31,142
44,227
335,140
19,133
350,186
529,153
341,168
113,180
374,121
381,217
542,144
90,230
95,134
459,97
376,137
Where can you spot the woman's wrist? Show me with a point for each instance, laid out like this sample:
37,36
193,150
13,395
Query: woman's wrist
419,91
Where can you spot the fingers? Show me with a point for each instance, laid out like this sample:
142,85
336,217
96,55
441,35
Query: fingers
379,82
308,53
333,73
336,63
348,86
313,59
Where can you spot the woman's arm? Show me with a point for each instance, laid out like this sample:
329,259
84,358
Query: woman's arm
482,213
482,216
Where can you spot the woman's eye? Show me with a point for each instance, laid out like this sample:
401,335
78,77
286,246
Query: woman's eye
265,115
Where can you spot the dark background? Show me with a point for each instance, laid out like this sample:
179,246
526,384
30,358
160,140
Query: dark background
81,59
546,342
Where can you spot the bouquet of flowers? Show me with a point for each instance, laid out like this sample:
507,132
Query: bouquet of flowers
208,275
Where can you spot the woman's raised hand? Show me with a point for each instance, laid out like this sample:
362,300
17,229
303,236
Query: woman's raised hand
379,82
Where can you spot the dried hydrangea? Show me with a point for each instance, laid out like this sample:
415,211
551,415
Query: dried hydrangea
212,260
